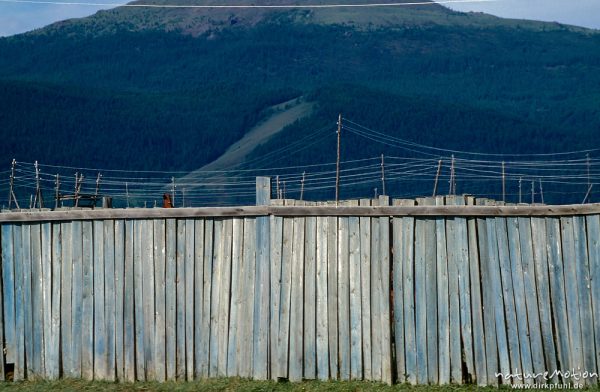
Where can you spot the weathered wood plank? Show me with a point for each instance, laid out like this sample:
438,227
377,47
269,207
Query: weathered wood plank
66,277
236,297
454,260
171,299
322,344
217,266
76,299
138,285
276,243
514,245
100,333
189,297
8,289
310,301
431,296
207,312
160,300
476,302
2,347
148,297
332,295
19,364
119,299
571,290
443,305
128,305
87,316
532,261
199,315
224,301
582,268
386,325
53,279
344,297
408,268
593,230
180,351
375,294
365,287
356,332
110,298
46,279
297,299
245,345
285,302
421,245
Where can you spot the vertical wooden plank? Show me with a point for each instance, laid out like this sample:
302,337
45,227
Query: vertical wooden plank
356,333
214,306
19,364
27,302
297,299
87,316
261,299
421,244
534,292
110,298
189,297
408,268
365,289
276,223
180,305
160,300
128,305
245,347
443,305
100,358
120,299
36,370
171,298
236,297
2,347
397,292
138,284
593,230
47,295
571,290
384,253
148,297
332,295
310,301
198,296
515,252
375,294
285,302
508,295
431,296
584,291
454,261
66,299
8,289
206,298
54,283
322,344
76,299
476,302
557,293
344,297
225,286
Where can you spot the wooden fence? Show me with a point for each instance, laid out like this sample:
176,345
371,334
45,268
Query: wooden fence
395,298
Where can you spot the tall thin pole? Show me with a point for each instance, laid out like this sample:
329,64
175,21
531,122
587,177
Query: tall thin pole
337,166
38,191
277,187
541,191
520,189
452,183
183,197
57,195
437,177
588,176
503,183
127,193
302,186
173,191
284,189
532,192
98,185
11,195
382,176
587,194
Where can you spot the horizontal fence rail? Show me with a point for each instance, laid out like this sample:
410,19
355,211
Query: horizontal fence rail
430,298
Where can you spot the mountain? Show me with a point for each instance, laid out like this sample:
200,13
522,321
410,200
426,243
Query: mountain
173,88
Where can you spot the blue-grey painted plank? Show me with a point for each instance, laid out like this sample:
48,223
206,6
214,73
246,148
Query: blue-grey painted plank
19,369
87,307
76,300
171,298
100,331
584,291
343,297
138,285
285,301
148,298
375,294
207,277
421,244
530,296
128,305
215,290
119,299
37,370
224,293
276,223
198,295
593,230
8,289
322,311
571,290
297,299
66,299
189,297
431,297
2,357
235,324
180,290
53,352
384,253
365,286
514,245
452,238
310,301
476,302
332,289
46,279
110,298
443,306
245,347
356,332
408,268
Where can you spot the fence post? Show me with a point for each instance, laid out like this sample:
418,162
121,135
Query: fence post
261,297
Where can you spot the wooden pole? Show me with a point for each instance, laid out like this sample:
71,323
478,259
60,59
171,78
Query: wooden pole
11,195
38,190
127,193
57,195
284,189
452,183
277,187
97,185
173,191
78,182
587,194
302,186
588,163
437,177
382,176
541,191
337,166
183,197
532,192
520,189
503,183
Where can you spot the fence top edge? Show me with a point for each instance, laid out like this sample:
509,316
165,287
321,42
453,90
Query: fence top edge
291,211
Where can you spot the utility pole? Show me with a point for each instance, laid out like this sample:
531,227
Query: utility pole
520,189
452,182
78,182
541,191
173,191
11,194
57,195
127,193
382,176
532,192
38,191
183,197
503,183
277,187
302,186
337,166
588,176
437,177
